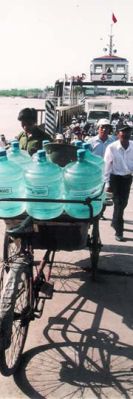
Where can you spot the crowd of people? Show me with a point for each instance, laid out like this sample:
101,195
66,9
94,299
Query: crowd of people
79,126
108,139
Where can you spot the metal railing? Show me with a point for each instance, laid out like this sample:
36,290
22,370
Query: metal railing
64,114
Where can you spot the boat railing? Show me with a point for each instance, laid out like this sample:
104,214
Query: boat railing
64,114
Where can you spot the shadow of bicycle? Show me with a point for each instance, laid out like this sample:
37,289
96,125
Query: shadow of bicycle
79,359
98,366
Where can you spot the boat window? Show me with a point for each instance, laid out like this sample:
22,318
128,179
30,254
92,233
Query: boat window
98,114
120,68
98,68
109,68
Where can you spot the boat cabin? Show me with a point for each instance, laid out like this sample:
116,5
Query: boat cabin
109,68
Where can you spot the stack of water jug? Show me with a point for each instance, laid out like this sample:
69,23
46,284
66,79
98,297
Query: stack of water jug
39,179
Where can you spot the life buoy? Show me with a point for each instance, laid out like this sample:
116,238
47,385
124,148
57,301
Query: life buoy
103,77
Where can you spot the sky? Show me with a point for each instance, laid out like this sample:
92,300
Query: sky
42,40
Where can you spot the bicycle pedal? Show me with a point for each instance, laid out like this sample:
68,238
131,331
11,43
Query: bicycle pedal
46,290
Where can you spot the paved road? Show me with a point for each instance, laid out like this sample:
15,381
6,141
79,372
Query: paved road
83,345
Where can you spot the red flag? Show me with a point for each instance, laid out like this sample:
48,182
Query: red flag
114,19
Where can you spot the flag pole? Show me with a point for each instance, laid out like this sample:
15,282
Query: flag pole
111,40
114,19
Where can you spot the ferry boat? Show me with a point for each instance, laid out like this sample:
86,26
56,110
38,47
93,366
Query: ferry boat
109,67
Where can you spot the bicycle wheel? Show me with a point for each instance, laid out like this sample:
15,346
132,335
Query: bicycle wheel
94,256
95,248
12,247
14,326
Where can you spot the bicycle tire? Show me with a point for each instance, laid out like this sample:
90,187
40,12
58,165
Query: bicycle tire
12,346
95,249
94,256
11,248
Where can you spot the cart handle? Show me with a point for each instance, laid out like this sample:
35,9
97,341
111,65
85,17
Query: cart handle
87,201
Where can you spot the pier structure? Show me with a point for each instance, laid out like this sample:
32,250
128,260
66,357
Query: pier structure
64,114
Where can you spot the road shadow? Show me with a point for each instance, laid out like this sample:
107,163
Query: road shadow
110,290
80,361
128,222
115,259
64,369
129,230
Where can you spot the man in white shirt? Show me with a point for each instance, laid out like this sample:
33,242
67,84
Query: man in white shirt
118,176
99,143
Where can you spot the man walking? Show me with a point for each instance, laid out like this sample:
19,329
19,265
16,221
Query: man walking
118,176
99,143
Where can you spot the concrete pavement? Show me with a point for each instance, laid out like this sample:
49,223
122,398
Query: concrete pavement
82,347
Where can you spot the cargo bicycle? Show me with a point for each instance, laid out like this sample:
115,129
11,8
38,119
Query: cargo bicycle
25,285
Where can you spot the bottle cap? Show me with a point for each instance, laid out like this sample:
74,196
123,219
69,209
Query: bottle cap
15,144
85,146
2,152
41,154
45,142
78,143
80,154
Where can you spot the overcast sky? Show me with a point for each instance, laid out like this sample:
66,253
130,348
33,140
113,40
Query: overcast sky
41,40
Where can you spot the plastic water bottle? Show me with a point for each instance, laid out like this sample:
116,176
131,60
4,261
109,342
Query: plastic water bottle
44,180
90,156
99,161
82,179
78,143
44,142
18,156
11,186
44,145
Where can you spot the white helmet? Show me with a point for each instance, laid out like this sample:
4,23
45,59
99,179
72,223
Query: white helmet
103,122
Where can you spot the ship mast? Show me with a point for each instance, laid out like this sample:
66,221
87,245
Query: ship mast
111,44
110,41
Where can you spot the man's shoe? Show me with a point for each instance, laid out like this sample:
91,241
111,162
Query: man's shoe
119,238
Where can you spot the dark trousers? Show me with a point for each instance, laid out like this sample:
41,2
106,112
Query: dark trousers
120,187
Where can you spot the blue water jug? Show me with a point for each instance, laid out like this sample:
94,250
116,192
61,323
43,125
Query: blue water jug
11,186
82,179
44,142
90,156
97,159
44,180
78,143
17,155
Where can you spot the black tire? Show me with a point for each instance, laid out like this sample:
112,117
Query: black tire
95,248
94,255
11,248
12,345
